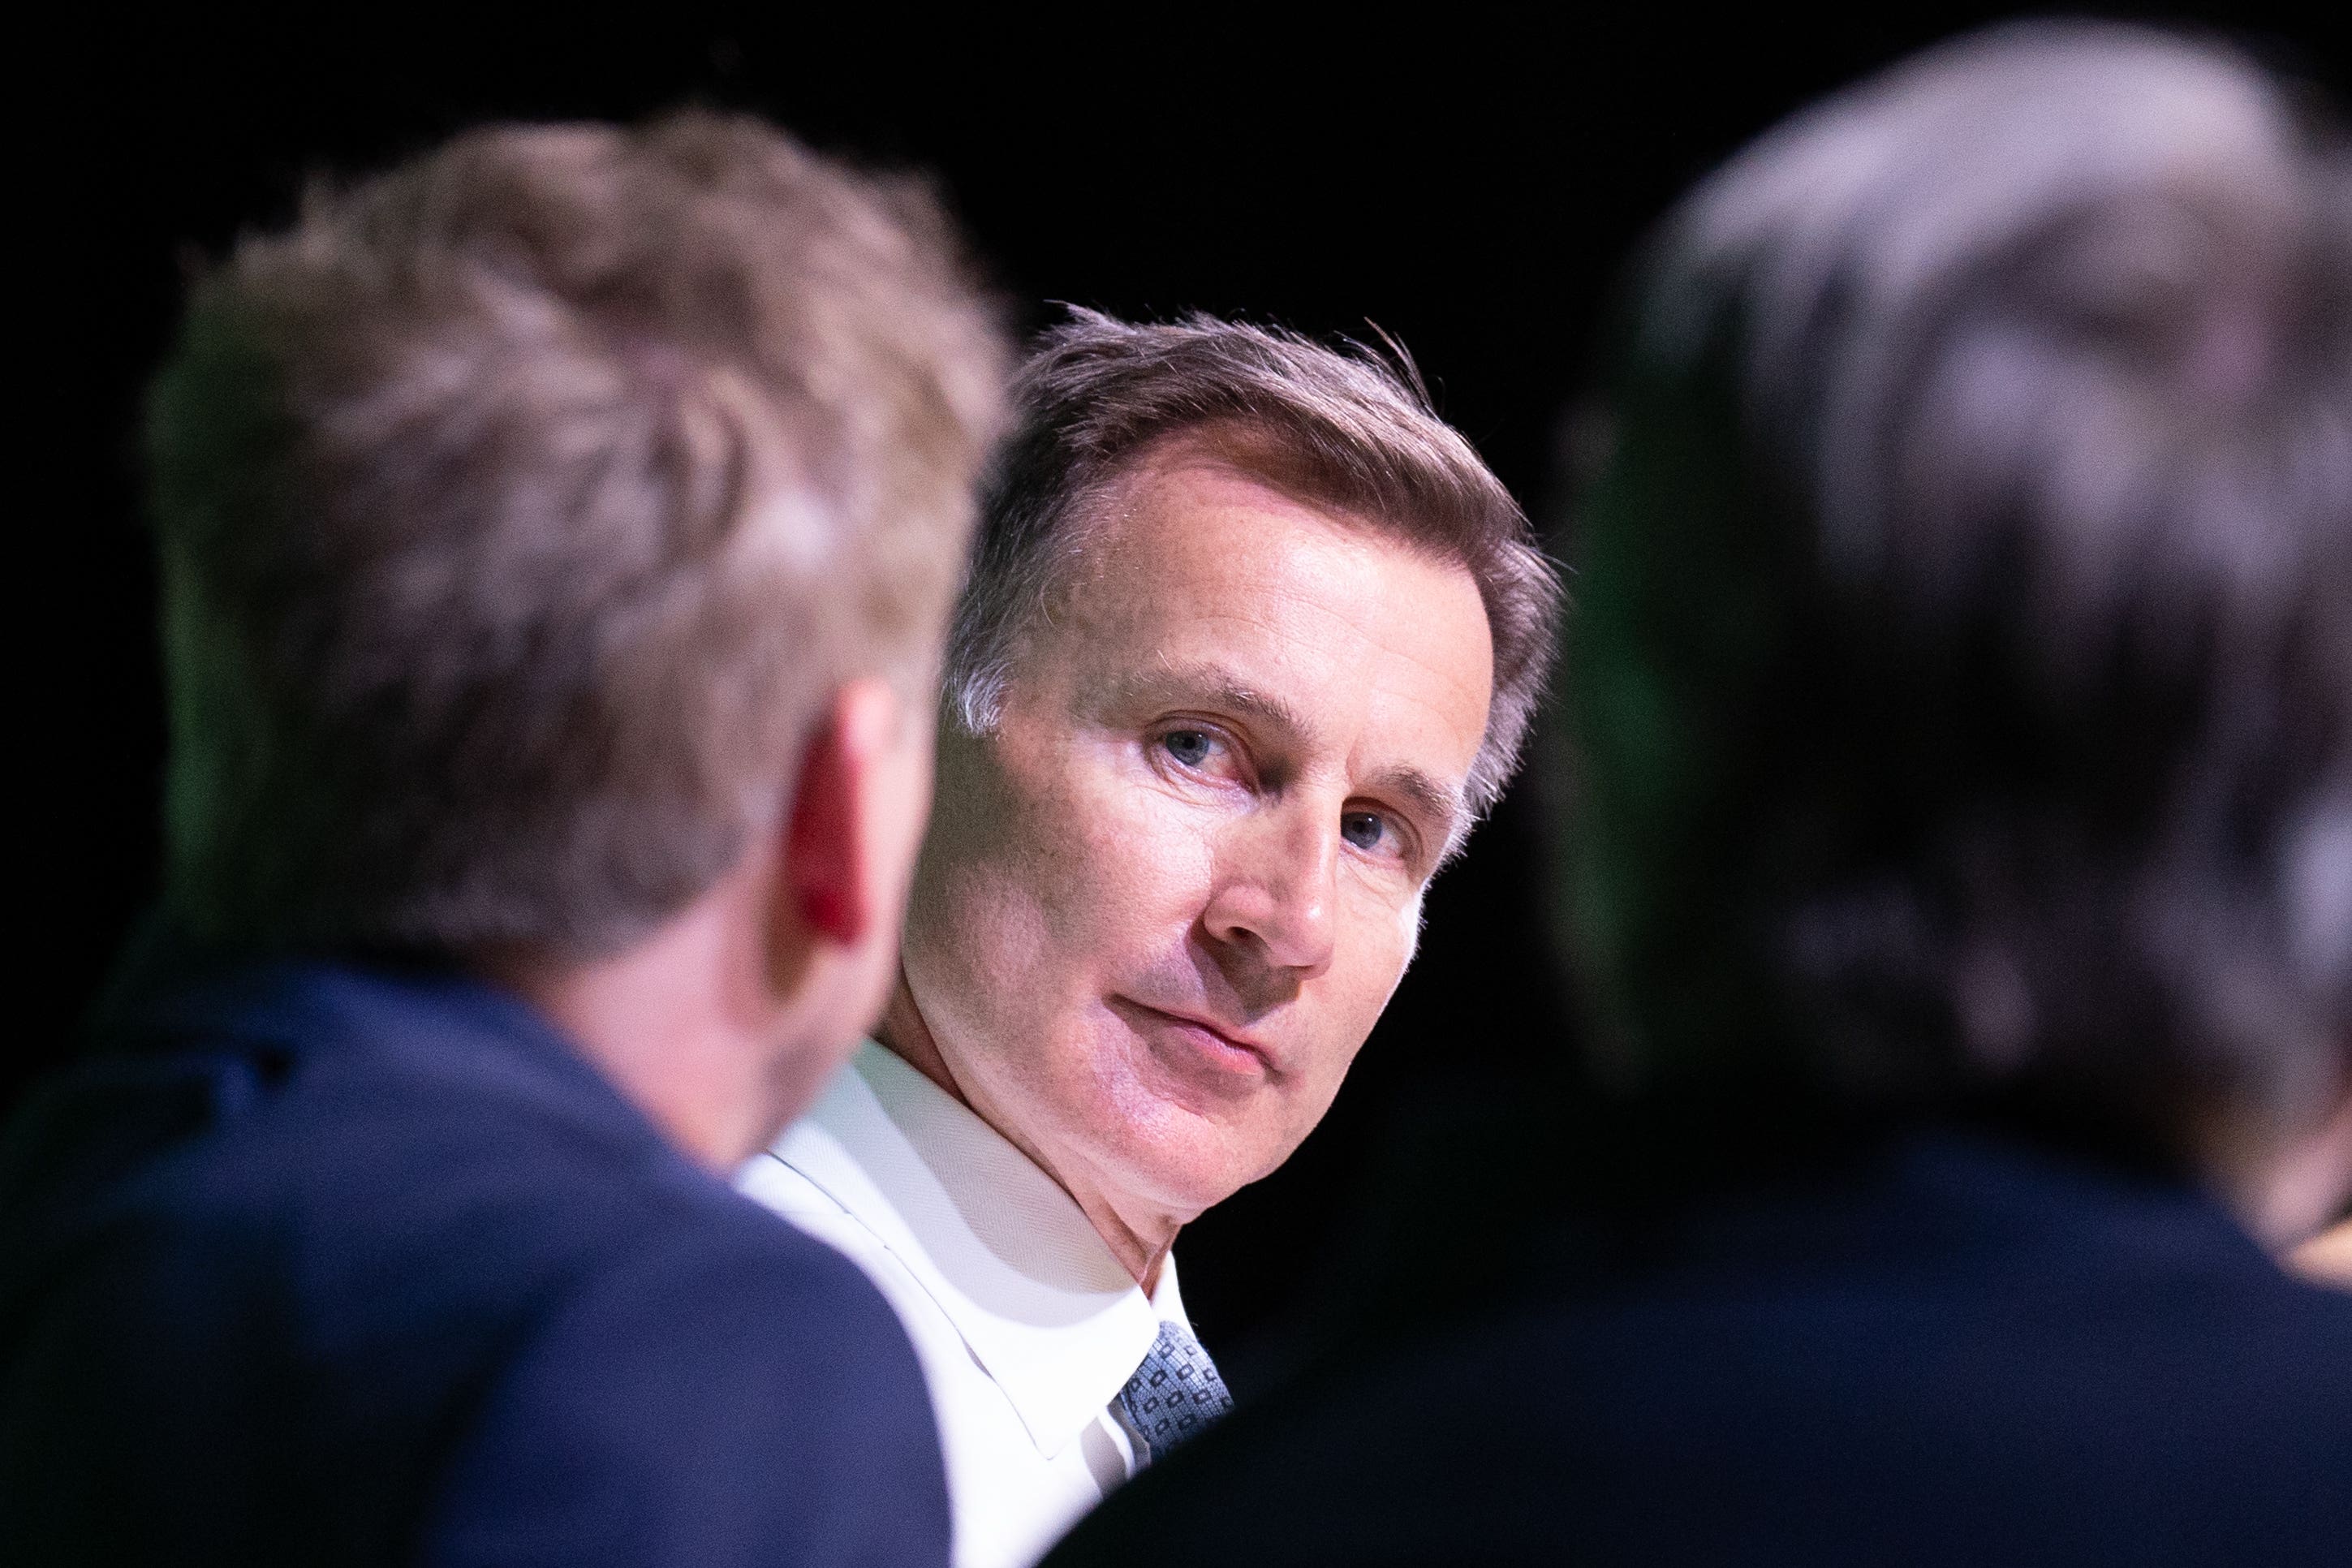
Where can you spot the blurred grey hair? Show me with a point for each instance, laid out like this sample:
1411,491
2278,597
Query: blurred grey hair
1845,225
1343,427
2046,335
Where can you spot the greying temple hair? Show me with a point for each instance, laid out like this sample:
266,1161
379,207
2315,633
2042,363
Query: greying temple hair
1965,650
1341,428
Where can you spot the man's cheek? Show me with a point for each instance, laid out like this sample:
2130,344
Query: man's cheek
1373,949
1145,855
1408,935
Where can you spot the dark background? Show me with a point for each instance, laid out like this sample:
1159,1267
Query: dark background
1469,185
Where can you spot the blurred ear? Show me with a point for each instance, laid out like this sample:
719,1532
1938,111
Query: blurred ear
843,831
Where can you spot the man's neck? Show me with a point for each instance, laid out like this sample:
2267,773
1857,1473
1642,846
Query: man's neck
671,1023
904,1033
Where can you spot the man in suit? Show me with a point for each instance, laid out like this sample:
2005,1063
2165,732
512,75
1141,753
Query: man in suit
1959,873
1251,638
556,538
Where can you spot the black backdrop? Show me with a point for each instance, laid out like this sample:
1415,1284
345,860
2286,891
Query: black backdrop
1468,185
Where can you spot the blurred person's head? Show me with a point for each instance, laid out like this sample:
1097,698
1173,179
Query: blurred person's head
557,534
1962,670
1251,639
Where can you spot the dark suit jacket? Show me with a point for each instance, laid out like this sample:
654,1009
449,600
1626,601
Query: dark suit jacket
333,1263
1957,1350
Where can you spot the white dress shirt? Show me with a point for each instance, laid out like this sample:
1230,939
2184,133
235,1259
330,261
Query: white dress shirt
1027,1327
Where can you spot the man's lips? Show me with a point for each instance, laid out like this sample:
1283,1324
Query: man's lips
1229,1049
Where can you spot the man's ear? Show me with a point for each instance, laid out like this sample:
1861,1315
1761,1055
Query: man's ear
834,835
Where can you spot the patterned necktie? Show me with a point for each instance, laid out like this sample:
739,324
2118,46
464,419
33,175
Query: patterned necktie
1174,1396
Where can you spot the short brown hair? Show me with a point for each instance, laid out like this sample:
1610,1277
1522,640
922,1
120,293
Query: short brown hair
1342,427
517,510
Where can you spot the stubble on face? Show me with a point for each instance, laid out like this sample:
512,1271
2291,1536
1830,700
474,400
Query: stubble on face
1162,904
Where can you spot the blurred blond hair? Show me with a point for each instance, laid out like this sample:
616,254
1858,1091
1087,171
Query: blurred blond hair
518,508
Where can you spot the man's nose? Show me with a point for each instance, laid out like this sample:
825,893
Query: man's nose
1277,879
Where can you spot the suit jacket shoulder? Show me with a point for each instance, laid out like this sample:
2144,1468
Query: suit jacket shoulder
1965,1352
333,1264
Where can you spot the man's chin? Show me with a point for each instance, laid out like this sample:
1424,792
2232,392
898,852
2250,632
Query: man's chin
1184,1167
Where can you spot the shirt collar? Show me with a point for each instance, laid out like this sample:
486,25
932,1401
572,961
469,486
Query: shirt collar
1046,1308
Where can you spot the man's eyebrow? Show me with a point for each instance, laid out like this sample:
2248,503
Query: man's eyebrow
1211,687
1219,689
1445,808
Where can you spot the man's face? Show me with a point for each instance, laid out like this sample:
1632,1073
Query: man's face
1161,906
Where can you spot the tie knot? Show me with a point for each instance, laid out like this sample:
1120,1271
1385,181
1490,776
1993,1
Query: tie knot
1174,1394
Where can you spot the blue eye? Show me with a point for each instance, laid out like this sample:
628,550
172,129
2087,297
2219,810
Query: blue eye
1363,829
1189,747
